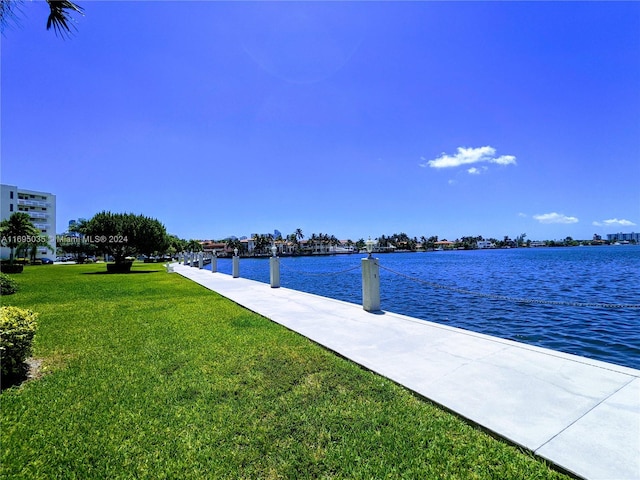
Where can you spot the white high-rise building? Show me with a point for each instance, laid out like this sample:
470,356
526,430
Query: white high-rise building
41,207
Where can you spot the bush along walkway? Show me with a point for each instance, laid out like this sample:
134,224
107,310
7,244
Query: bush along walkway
149,375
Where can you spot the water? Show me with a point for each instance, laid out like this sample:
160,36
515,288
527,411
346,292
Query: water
608,274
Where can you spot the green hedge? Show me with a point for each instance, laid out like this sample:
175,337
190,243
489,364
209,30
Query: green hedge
6,268
17,328
7,285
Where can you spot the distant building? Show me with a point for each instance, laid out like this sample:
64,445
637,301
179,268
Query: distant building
444,245
485,244
41,208
72,224
212,246
624,237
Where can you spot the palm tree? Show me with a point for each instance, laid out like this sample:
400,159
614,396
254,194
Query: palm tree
234,243
59,14
262,242
16,229
299,234
313,239
32,247
194,246
430,244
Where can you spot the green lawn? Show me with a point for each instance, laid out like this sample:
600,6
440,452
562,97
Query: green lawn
149,375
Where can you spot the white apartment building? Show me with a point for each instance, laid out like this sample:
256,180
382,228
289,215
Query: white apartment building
624,237
41,207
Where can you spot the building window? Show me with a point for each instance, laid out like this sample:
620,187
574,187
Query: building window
11,207
11,194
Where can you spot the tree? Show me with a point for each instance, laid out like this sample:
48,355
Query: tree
18,230
431,241
233,243
194,246
32,247
59,14
261,243
153,238
175,244
124,235
76,245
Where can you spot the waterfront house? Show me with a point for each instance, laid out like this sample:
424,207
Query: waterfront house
444,245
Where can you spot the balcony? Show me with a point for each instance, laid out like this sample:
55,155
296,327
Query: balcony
38,214
33,203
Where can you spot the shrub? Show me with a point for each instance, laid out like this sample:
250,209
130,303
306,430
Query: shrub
17,328
11,268
7,285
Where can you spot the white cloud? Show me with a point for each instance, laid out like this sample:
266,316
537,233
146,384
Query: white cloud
467,156
614,222
555,218
505,160
476,171
523,215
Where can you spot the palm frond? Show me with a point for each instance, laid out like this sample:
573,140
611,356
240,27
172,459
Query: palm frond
10,13
60,18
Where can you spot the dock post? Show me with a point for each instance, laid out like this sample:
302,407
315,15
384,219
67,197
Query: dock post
370,284
235,267
214,262
200,260
274,271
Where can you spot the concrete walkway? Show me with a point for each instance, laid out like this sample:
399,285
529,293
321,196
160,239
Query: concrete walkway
580,414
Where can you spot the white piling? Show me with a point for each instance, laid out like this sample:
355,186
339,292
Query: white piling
370,284
235,267
274,271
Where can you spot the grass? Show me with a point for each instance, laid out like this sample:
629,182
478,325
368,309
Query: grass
153,376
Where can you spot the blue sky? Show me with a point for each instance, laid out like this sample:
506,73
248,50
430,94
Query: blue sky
353,119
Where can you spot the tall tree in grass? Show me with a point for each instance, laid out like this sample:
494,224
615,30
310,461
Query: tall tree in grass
124,235
18,230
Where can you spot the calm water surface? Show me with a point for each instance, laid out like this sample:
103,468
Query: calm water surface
608,274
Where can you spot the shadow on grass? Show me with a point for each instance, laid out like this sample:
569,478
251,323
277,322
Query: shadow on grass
17,377
120,273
